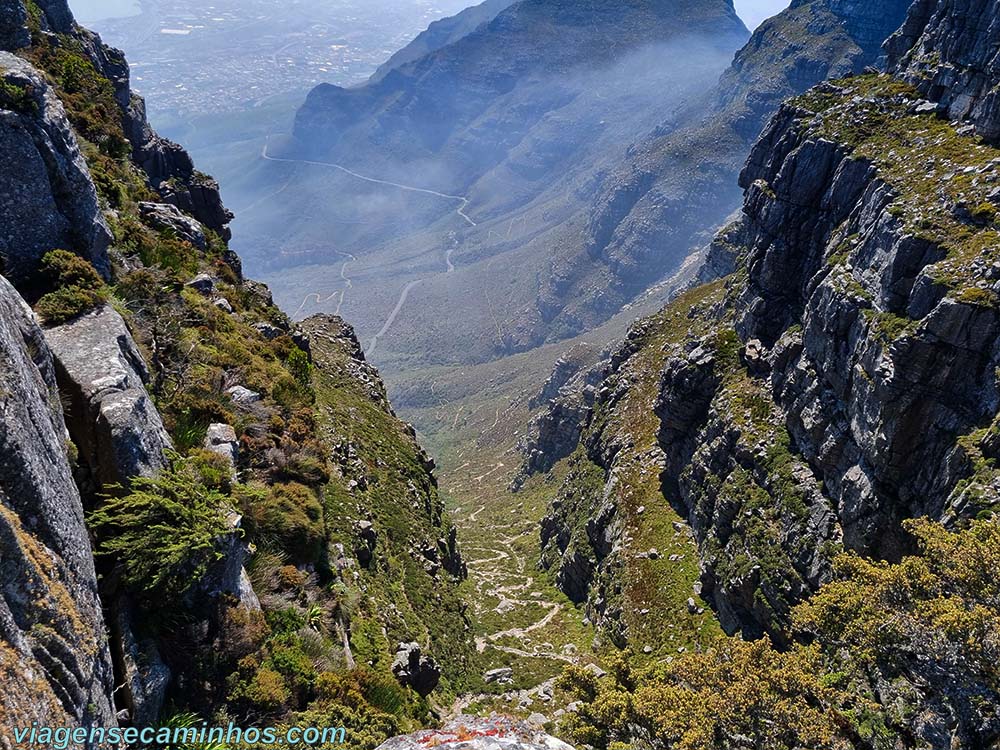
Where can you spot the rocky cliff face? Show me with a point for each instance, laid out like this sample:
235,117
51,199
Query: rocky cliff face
442,33
840,380
50,201
55,665
193,406
677,182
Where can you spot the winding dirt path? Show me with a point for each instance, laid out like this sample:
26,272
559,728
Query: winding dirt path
342,292
392,316
463,203
463,200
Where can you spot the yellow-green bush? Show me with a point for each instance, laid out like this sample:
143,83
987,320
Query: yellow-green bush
76,287
288,515
878,623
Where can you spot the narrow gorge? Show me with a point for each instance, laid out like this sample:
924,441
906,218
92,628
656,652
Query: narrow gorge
723,489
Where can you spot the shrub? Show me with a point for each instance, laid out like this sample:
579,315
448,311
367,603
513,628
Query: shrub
164,532
17,98
943,605
700,700
76,287
265,692
291,516
985,213
213,469
299,365
979,297
285,621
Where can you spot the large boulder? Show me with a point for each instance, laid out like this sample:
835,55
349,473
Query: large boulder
475,733
112,419
169,217
55,664
49,200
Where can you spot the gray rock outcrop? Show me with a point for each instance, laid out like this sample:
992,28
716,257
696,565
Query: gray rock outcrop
14,26
53,650
415,669
112,419
221,438
168,216
49,201
145,676
951,52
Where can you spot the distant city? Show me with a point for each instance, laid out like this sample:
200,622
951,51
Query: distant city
190,58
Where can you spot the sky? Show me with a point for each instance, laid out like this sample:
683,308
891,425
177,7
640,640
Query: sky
754,11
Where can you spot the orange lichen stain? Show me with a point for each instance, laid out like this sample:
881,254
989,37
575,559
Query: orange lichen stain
54,606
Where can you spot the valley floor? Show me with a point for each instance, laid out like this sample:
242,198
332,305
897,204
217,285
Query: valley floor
523,621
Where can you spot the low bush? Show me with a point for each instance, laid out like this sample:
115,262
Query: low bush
290,517
75,286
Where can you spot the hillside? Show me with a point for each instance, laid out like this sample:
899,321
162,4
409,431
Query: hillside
270,545
757,452
460,160
442,33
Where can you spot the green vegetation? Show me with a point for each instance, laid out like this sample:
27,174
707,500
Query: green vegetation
76,287
17,97
164,532
942,605
285,516
881,623
705,701
318,452
88,96
941,176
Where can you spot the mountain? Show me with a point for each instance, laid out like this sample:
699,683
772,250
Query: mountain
442,33
794,446
472,101
602,199
267,535
646,214
464,158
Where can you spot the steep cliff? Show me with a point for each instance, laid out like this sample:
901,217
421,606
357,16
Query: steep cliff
678,182
55,666
442,33
841,380
240,477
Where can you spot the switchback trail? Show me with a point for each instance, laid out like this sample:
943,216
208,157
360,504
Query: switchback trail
348,259
463,200
450,267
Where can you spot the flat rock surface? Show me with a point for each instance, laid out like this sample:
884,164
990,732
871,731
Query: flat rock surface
113,420
473,733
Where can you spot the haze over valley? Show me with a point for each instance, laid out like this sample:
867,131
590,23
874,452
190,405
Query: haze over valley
545,374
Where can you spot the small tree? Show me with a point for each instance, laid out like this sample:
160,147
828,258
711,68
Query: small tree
299,365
